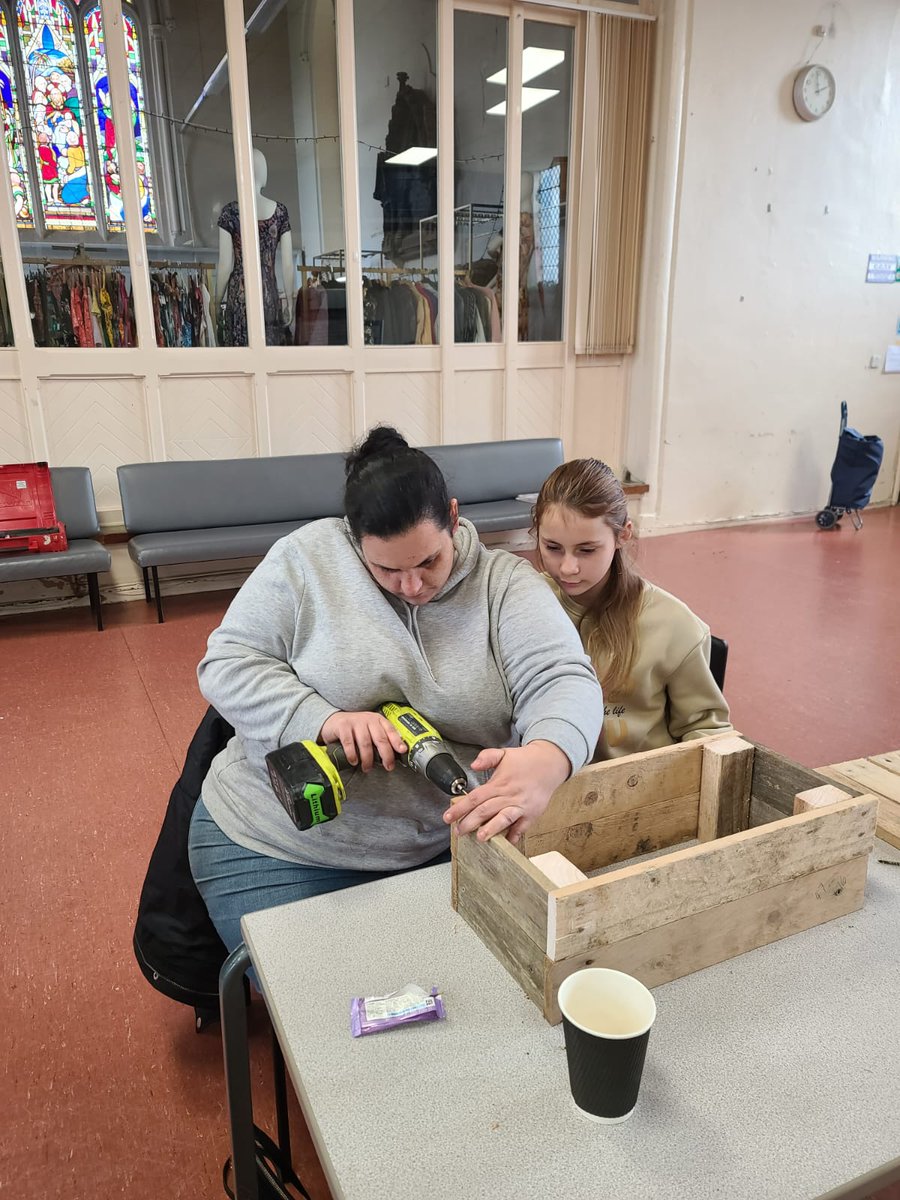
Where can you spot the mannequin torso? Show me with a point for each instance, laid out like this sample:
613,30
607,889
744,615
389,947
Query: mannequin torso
274,228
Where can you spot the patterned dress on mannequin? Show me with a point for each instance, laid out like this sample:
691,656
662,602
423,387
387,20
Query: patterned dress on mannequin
270,232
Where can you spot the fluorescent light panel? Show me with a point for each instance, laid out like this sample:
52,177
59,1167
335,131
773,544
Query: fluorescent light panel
413,157
535,61
530,97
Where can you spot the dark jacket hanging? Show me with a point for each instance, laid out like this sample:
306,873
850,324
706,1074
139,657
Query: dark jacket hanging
407,192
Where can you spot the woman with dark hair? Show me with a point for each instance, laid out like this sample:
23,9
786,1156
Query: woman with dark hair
397,602
650,652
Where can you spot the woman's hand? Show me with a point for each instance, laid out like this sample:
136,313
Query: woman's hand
363,735
516,794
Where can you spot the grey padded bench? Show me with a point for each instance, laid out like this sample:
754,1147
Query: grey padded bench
73,495
185,512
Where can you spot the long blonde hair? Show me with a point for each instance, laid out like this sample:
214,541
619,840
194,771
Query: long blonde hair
590,488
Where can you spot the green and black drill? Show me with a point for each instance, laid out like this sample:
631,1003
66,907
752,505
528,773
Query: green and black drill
306,777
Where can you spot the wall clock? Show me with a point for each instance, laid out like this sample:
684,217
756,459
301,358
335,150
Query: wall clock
814,92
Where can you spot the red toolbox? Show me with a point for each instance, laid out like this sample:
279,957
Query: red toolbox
28,519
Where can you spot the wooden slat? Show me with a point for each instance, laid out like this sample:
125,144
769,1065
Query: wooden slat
883,782
515,886
890,762
605,788
726,773
454,868
860,773
506,940
591,845
818,797
726,930
637,898
777,780
558,869
888,828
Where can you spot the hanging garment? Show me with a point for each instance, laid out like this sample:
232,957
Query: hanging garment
311,320
270,233
407,193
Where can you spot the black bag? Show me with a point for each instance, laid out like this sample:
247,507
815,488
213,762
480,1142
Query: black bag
855,468
175,942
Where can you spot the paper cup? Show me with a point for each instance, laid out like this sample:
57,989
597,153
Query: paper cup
607,1017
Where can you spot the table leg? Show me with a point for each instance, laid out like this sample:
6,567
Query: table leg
236,1047
281,1107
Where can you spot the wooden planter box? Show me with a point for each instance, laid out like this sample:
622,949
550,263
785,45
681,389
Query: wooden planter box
781,849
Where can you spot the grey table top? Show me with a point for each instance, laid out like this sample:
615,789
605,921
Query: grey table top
774,1076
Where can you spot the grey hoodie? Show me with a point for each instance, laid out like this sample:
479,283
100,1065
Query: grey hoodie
492,660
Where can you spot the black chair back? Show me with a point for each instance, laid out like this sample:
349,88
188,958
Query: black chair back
718,658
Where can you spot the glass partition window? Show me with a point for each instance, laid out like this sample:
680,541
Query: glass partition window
396,92
546,119
292,63
479,60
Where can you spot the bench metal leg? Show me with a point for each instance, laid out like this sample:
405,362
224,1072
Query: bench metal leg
96,603
236,1047
145,571
159,608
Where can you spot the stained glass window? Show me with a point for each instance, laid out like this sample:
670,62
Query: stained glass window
12,131
55,104
106,134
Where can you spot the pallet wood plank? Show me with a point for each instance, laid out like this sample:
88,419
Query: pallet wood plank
726,774
888,828
637,898
726,930
860,773
505,874
506,940
454,868
602,789
777,780
818,797
890,762
591,845
880,781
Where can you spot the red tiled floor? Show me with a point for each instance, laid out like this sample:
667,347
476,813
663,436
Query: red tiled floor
109,1090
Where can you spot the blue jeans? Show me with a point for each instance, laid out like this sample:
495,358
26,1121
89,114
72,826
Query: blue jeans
234,881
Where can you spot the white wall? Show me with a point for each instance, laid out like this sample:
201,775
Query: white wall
765,323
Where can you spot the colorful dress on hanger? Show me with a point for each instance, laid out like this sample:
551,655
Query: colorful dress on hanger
270,234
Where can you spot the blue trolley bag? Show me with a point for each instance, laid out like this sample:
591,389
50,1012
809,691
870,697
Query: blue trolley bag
853,474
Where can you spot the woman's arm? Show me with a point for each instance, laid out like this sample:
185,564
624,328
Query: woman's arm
697,707
557,712
246,673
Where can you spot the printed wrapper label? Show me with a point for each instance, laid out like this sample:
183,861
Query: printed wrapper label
372,1014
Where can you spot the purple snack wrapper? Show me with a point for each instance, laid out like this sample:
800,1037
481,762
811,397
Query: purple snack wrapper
372,1014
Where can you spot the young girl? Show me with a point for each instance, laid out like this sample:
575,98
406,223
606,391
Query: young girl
650,652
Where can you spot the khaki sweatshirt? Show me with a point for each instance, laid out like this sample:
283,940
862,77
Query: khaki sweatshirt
672,694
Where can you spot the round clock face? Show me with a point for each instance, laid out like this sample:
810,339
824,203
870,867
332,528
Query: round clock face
814,92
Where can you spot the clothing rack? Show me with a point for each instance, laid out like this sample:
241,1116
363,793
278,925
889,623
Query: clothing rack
85,261
464,214
388,272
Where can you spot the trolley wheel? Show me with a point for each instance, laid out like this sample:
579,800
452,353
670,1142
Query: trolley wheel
827,518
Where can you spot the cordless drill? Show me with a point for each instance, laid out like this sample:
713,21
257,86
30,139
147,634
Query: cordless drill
306,776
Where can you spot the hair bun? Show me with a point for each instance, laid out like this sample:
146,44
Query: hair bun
382,441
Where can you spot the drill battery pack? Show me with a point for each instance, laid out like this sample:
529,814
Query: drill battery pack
306,781
28,520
